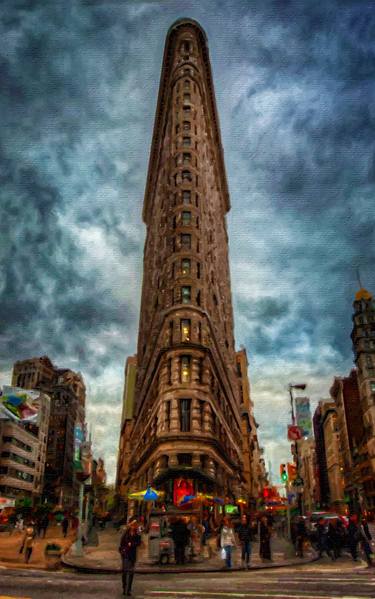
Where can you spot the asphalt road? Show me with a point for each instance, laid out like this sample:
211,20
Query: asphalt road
318,580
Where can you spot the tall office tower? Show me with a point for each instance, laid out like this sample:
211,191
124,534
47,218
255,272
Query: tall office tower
187,430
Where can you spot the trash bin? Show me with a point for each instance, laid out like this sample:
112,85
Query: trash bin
52,554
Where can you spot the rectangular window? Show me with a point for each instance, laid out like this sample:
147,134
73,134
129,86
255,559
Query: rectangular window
186,176
201,414
186,126
186,295
186,84
169,367
187,97
372,385
185,415
168,415
170,332
185,369
199,331
187,109
185,329
186,142
186,218
198,270
184,459
200,371
186,197
186,158
185,241
185,266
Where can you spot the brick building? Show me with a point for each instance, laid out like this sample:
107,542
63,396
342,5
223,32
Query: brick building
363,338
187,421
67,392
322,496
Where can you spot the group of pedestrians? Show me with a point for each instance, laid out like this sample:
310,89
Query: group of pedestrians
333,538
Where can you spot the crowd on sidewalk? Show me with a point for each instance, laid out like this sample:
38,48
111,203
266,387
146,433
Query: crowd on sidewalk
332,538
191,537
24,531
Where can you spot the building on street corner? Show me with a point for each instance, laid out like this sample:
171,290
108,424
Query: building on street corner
185,434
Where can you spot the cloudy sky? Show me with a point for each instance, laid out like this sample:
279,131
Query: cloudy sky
295,85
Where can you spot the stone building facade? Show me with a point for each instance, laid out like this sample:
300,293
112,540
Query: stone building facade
334,457
322,497
187,423
254,471
67,393
363,338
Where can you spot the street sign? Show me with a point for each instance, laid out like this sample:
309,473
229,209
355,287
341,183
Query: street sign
294,432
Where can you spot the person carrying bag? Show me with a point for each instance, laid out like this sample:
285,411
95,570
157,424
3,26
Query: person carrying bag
227,541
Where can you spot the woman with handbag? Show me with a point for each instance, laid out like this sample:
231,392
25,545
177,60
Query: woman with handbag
28,542
227,541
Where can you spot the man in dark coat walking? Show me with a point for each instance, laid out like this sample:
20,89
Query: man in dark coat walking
180,536
245,536
129,543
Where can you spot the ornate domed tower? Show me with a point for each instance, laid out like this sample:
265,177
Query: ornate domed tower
187,427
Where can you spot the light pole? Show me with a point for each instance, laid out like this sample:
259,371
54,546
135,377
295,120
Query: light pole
299,482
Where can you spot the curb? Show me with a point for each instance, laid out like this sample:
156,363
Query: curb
90,570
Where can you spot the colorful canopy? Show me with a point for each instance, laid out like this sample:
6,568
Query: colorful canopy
200,498
148,494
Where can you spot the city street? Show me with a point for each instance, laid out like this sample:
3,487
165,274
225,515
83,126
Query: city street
320,579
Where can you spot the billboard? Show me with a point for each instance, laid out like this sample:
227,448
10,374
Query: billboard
303,416
19,404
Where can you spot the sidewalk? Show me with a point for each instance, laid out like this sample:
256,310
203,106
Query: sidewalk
10,546
105,559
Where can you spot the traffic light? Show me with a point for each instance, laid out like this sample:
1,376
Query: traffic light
292,472
283,473
266,493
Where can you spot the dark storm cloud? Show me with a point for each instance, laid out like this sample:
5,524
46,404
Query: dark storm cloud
295,90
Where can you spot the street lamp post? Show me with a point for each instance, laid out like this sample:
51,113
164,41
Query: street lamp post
302,387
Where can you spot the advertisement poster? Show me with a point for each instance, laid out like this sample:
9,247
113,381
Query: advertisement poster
19,404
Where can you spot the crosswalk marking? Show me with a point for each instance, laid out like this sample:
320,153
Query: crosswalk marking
202,594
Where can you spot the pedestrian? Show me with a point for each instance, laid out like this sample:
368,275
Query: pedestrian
353,536
28,542
19,524
43,525
301,535
180,536
264,539
130,541
333,539
323,541
245,536
364,539
227,540
65,525
341,532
